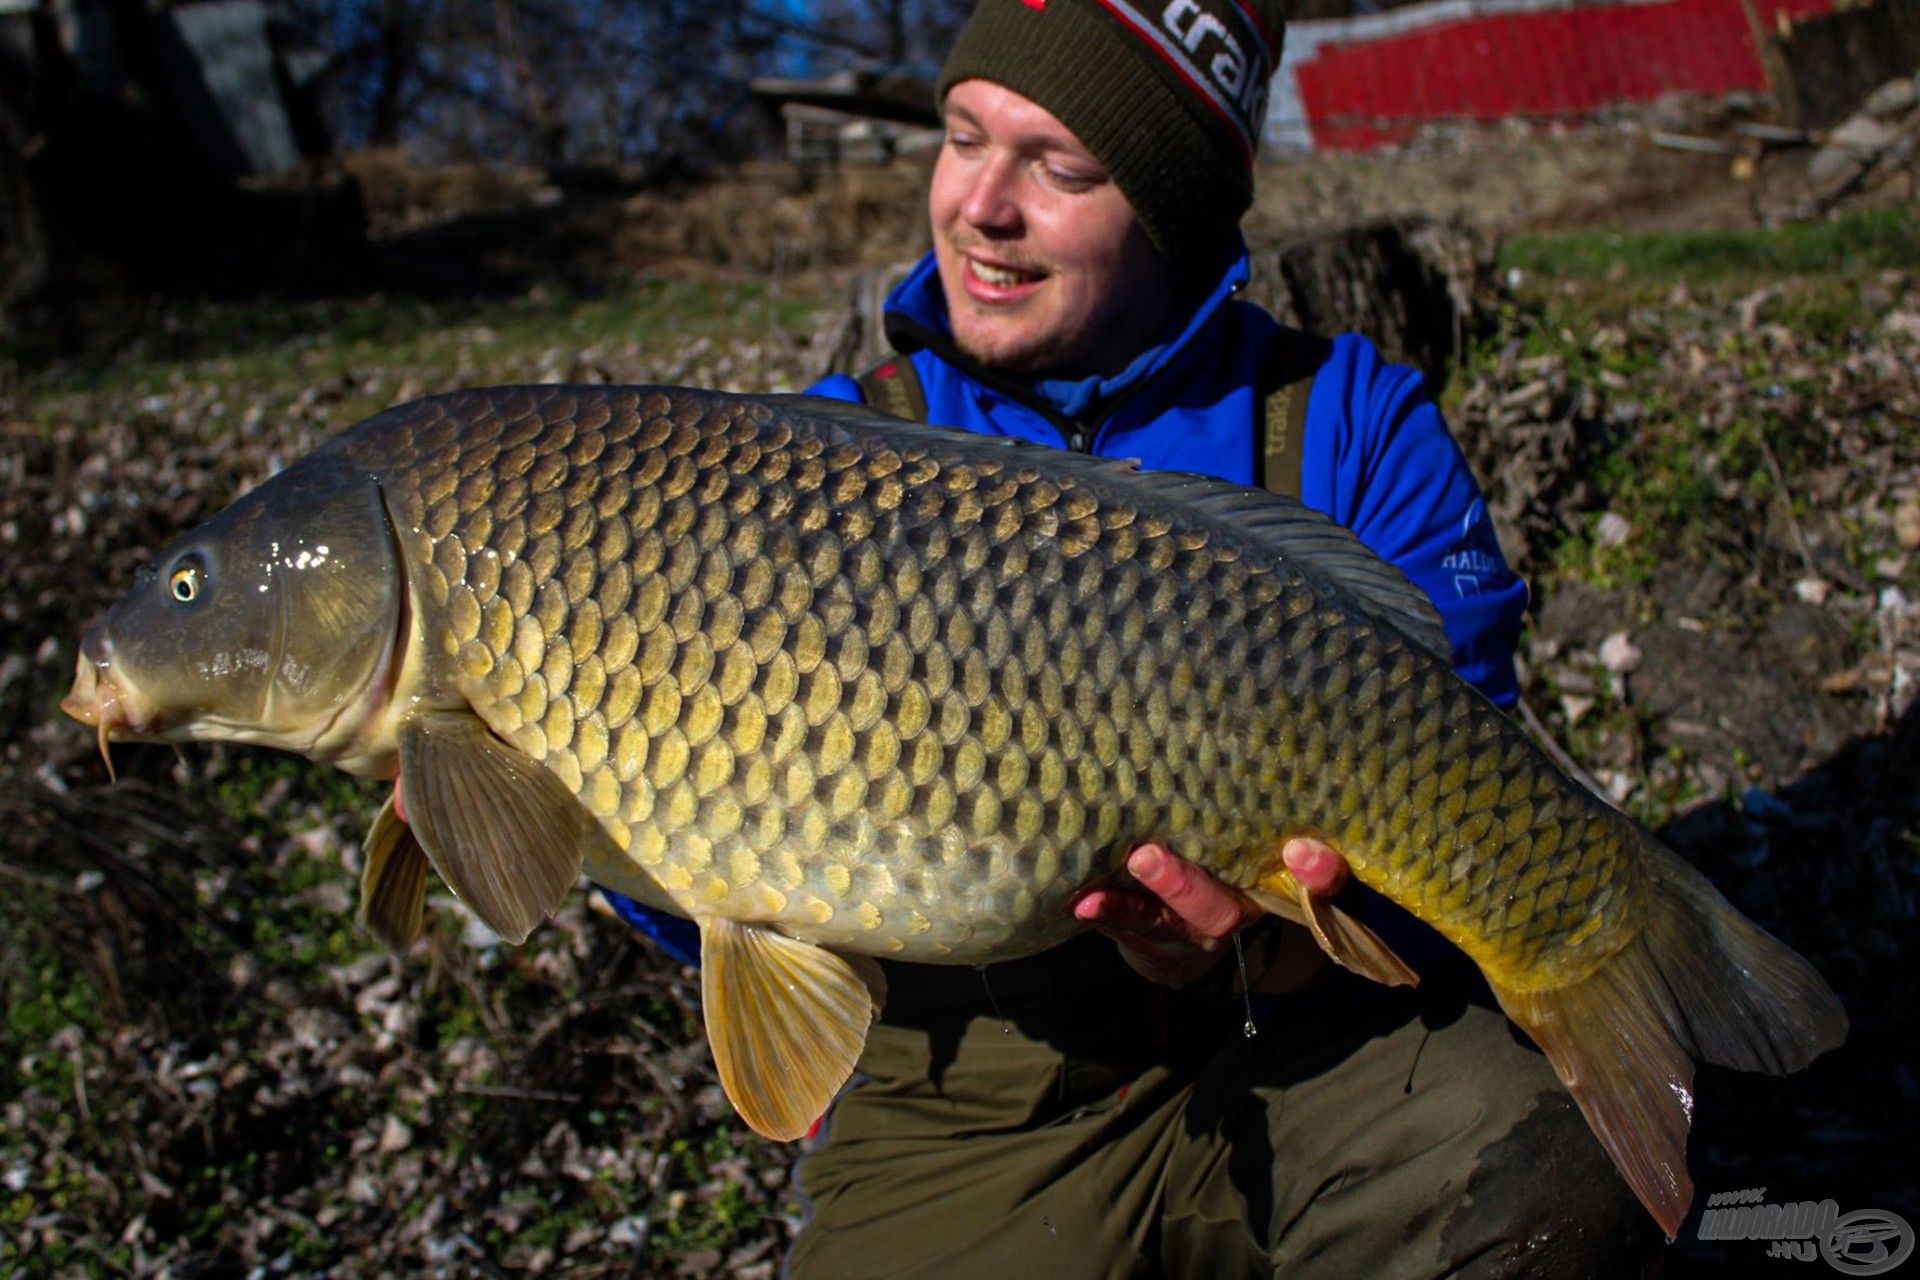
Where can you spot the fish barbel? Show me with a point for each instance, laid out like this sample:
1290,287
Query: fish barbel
835,686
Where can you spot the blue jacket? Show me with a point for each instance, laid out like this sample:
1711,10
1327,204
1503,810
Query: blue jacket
1376,456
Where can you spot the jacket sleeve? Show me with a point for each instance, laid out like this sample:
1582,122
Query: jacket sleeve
836,386
1391,471
681,938
677,937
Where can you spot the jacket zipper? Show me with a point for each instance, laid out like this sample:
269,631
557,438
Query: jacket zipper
1075,436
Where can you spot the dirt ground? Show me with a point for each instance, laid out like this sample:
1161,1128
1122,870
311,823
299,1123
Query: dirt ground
774,217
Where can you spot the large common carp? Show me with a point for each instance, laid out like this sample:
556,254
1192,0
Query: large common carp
836,686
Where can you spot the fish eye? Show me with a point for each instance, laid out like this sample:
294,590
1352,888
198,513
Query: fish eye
188,576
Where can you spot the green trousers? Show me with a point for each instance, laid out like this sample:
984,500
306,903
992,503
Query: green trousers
1061,1118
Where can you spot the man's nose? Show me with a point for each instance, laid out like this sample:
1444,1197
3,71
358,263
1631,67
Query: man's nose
991,201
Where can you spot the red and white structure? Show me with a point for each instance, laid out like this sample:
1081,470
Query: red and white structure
1366,81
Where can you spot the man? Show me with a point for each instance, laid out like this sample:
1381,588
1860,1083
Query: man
1109,1110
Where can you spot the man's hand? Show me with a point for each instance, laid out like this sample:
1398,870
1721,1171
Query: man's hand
1181,920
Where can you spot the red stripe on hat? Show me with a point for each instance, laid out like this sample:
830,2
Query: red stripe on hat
1146,38
1266,36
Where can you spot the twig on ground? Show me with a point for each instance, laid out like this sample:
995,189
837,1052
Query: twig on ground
1780,492
524,1095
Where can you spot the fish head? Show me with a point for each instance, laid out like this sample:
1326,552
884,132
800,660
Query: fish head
276,622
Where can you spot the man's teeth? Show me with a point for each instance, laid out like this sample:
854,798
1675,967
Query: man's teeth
1002,275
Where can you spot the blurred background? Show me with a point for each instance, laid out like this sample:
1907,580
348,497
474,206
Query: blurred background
1659,261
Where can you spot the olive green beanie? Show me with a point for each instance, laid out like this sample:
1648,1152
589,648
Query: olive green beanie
1169,95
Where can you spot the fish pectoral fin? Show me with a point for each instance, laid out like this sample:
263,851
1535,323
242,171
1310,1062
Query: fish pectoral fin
786,1019
393,881
503,832
1349,942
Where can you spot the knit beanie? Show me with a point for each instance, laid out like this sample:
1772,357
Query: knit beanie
1169,96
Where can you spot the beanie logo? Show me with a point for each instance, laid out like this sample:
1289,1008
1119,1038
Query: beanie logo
1041,5
1229,70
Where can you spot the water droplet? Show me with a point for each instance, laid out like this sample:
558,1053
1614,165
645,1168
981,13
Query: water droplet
1247,1028
1005,1028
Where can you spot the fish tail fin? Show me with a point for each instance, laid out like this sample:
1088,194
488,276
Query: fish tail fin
1700,980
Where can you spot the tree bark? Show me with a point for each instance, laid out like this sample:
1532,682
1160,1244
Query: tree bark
1415,286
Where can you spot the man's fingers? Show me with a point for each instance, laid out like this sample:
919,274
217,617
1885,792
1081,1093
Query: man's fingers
1315,865
1172,927
1125,911
1181,900
1209,909
1157,944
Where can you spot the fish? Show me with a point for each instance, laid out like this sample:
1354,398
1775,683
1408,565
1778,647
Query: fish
838,687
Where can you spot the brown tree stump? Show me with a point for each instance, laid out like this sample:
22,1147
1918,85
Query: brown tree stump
1417,287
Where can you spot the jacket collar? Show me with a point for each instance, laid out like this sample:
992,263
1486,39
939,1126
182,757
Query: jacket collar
916,318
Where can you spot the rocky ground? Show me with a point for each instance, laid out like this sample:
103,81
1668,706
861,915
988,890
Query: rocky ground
1716,495
1704,450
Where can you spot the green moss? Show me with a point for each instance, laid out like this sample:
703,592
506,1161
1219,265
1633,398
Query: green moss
42,997
726,1209
1701,405
251,787
277,349
1856,241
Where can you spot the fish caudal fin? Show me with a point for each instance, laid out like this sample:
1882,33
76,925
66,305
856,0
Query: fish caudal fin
1700,981
393,881
1632,1078
1347,941
786,1019
504,833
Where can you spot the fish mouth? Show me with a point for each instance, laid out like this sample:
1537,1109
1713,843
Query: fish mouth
102,701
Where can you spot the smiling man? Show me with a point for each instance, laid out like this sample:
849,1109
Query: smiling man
1043,266
1103,1110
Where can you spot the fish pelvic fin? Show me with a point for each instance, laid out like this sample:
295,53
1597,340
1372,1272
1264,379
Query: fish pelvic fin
393,881
503,832
1699,980
1344,938
786,1020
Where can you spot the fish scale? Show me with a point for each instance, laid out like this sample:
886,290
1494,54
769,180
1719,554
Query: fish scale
787,703
835,686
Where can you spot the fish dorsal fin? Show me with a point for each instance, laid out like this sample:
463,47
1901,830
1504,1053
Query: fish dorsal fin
504,833
393,880
1267,525
786,1019
1291,532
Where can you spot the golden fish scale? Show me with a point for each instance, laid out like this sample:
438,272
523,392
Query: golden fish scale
906,694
